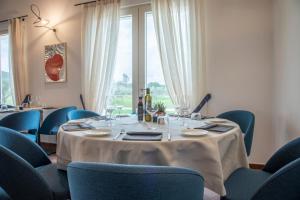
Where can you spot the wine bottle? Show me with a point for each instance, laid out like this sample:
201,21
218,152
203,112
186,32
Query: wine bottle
140,112
148,106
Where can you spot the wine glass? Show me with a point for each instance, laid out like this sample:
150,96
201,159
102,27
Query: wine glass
152,111
119,108
184,108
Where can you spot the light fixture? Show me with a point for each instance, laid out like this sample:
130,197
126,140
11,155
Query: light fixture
40,22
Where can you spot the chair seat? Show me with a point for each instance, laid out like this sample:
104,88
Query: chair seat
243,183
56,179
3,195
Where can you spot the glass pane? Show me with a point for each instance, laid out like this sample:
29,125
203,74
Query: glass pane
154,75
122,81
6,90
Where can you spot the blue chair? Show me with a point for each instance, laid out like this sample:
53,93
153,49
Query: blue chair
4,195
25,170
246,121
54,120
279,179
127,182
24,121
80,114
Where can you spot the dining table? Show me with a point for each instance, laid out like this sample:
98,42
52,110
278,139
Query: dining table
215,155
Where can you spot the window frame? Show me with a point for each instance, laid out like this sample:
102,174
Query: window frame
3,32
138,48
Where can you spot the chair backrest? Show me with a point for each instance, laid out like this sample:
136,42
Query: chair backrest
24,147
22,121
80,114
283,156
127,182
284,184
54,119
246,121
19,179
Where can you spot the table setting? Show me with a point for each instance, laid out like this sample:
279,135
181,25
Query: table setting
211,146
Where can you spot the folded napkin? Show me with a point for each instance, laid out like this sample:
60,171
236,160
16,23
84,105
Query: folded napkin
77,127
220,128
143,136
98,118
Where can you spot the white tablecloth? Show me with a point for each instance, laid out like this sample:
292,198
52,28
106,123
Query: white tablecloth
215,155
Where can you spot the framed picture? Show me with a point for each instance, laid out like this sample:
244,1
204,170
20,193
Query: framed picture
55,63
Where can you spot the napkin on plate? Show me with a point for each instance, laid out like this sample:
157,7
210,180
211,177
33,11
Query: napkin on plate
143,136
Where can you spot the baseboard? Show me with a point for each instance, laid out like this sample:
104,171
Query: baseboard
256,166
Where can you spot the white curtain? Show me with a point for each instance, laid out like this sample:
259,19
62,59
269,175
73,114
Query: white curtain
17,59
100,30
179,29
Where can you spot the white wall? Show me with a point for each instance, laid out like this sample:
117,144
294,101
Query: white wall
67,19
286,70
239,63
239,56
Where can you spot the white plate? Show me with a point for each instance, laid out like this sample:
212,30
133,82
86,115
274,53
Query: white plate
194,132
100,132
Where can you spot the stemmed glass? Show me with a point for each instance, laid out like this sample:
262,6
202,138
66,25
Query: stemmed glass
152,112
184,108
109,109
119,108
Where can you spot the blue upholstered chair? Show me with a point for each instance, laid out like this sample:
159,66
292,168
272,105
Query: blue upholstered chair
25,170
3,195
80,114
127,182
54,120
24,121
246,121
279,179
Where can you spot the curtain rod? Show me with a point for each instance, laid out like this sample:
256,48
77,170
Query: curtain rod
88,2
5,20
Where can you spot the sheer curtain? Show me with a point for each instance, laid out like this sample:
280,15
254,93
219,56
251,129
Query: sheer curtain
17,59
99,44
179,30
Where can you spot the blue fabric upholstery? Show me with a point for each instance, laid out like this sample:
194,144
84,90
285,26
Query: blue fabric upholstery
23,182
56,179
285,155
80,114
19,179
24,121
3,195
22,146
283,184
243,183
281,181
128,182
54,120
246,121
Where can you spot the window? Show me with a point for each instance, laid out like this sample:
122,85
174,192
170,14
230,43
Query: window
137,62
6,93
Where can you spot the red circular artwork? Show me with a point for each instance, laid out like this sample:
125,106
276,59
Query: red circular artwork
53,67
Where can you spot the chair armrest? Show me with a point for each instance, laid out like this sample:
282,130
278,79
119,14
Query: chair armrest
19,179
283,156
284,184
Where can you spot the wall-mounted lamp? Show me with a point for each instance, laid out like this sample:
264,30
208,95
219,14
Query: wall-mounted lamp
40,22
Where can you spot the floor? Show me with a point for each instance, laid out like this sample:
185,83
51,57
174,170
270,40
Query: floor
208,194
